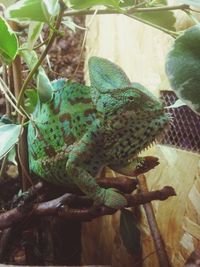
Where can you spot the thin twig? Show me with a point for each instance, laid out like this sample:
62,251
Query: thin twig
129,11
5,79
157,238
3,167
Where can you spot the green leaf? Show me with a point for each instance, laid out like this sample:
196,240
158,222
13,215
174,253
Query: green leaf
80,4
195,3
164,19
50,7
30,57
31,10
69,23
130,232
183,67
35,29
12,156
9,137
31,100
8,42
44,87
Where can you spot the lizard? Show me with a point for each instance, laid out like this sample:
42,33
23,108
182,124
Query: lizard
84,128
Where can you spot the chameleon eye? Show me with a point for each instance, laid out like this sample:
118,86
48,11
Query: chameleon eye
149,104
131,98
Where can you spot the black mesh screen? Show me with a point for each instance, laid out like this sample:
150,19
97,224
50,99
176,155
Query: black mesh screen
184,131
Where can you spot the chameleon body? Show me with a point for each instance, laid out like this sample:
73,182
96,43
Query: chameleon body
85,128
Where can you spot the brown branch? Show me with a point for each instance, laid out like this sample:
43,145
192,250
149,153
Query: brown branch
62,207
146,197
194,259
157,238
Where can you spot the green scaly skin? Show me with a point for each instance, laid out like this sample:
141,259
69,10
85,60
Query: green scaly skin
85,128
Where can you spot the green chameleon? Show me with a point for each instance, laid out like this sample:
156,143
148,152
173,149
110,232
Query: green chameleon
82,129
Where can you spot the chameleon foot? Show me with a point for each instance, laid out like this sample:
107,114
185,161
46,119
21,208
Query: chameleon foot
114,199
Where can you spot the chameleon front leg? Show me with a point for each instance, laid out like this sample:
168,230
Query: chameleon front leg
85,181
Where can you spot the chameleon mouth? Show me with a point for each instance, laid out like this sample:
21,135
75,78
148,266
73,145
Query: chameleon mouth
154,131
130,134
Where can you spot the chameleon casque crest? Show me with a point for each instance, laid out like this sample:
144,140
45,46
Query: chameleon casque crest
84,128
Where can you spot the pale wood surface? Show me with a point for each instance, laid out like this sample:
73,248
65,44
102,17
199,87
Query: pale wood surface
141,51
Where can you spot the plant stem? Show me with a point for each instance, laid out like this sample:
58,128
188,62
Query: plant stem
3,167
157,238
191,16
128,11
5,78
43,55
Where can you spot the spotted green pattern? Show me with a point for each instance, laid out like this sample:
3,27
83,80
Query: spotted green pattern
83,129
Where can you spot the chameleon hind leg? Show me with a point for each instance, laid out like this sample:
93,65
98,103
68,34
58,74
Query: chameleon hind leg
85,181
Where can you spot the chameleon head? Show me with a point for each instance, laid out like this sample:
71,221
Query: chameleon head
134,116
137,104
131,114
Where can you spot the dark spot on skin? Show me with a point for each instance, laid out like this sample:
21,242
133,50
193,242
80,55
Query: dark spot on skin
69,139
89,122
78,100
55,109
78,118
49,150
40,137
89,111
34,155
65,117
